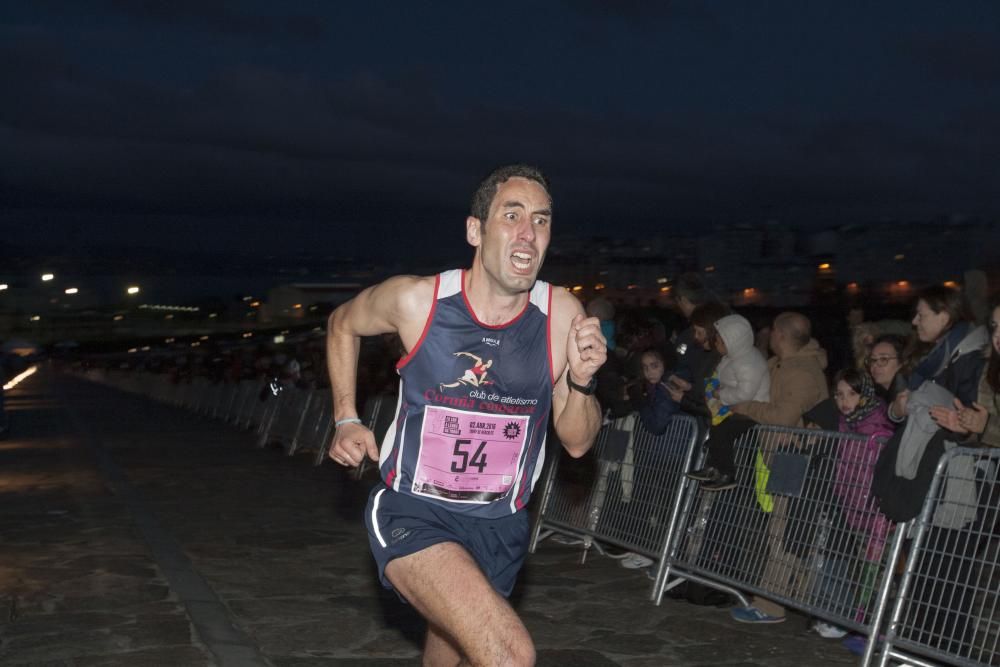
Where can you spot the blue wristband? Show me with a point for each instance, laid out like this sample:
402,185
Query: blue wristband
349,420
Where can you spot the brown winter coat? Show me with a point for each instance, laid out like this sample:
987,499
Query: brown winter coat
797,384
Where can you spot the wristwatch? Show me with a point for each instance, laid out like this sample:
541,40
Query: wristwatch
585,389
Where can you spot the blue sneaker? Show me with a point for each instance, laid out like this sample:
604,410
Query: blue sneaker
753,615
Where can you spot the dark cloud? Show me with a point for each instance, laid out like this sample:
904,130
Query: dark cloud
222,17
967,56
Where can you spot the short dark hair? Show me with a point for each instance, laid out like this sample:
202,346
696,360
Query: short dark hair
487,190
707,314
691,287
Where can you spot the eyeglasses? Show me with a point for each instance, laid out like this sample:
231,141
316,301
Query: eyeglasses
880,361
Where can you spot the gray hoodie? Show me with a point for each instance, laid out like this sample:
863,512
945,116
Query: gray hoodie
743,372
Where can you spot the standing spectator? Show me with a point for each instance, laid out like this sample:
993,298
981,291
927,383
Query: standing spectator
691,395
797,384
689,293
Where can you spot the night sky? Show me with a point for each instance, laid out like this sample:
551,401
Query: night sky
365,126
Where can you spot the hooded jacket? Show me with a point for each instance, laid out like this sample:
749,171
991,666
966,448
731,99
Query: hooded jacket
743,372
797,384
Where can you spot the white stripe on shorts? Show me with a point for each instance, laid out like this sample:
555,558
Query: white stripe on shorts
378,534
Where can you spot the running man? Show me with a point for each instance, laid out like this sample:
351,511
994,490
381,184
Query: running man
447,526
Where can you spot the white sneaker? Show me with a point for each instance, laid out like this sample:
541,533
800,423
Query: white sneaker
634,561
828,631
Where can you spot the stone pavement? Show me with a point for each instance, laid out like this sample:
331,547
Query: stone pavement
133,533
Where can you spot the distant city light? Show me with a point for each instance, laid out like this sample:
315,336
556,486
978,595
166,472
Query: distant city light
297,306
279,339
118,318
46,277
577,288
664,289
632,286
211,315
599,286
144,348
35,318
903,283
3,286
71,290
709,268
168,316
169,340
247,335
179,309
825,266
195,344
133,350
255,304
750,291
852,287
951,283
132,289
17,379
899,258
248,298
662,281
204,338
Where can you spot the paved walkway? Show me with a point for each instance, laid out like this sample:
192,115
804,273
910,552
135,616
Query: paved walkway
133,533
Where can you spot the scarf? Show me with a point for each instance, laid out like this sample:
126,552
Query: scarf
867,404
939,356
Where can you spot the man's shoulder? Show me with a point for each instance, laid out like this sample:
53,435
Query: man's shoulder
412,294
565,305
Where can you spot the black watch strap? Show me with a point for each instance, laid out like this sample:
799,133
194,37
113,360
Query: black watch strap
585,389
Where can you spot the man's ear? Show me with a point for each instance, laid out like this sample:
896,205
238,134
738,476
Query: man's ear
473,231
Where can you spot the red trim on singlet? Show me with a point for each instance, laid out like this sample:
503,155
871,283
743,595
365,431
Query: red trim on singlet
388,478
427,326
472,312
548,339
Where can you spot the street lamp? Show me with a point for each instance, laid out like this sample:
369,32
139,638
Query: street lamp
72,290
132,289
46,277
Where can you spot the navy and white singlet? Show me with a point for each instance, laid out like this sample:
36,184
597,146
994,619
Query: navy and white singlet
474,403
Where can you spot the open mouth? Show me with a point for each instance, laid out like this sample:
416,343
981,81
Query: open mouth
522,261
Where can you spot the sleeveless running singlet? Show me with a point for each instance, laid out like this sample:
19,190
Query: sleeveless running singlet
474,403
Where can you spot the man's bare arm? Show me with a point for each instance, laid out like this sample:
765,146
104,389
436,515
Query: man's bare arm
583,350
391,306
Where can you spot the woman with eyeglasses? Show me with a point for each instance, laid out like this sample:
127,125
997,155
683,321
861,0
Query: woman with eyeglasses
885,364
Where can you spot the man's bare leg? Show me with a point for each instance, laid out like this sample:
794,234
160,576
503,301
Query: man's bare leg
439,650
446,586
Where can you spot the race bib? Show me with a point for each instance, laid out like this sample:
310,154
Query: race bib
468,457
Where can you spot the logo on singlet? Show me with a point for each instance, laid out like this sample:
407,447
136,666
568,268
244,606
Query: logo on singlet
474,376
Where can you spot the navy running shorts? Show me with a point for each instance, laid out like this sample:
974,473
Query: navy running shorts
399,525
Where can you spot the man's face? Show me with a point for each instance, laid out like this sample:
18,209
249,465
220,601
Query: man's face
511,244
774,341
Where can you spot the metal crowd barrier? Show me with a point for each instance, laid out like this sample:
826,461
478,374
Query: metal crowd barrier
286,419
800,528
947,610
631,501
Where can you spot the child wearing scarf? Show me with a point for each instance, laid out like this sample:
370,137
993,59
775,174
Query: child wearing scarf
861,412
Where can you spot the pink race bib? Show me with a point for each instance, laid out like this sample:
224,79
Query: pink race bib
468,457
